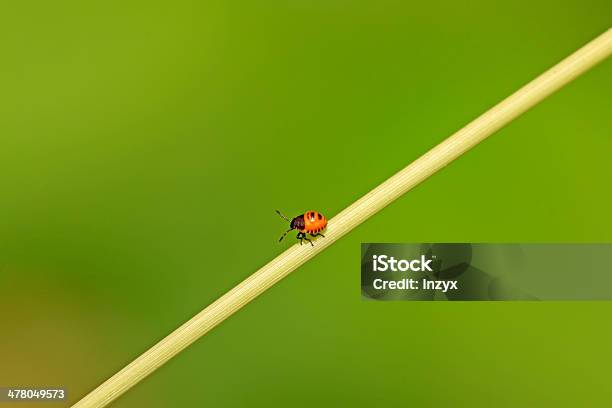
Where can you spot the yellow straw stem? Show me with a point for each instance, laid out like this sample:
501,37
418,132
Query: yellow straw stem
438,157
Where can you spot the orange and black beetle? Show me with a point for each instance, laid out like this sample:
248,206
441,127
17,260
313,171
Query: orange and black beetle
311,222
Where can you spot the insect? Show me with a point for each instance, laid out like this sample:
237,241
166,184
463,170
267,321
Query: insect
311,222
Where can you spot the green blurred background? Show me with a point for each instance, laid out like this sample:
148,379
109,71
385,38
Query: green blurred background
145,145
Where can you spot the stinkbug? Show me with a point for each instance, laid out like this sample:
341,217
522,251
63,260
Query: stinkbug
311,222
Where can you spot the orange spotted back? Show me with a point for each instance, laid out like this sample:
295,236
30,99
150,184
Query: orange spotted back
314,222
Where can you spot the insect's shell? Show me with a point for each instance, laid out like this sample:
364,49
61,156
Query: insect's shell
314,222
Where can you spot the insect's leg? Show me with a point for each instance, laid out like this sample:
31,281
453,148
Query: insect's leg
281,238
317,234
308,240
299,236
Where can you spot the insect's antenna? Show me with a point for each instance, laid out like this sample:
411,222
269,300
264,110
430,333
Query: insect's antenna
281,238
283,217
